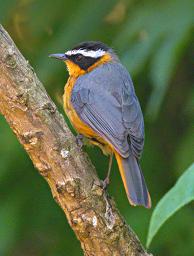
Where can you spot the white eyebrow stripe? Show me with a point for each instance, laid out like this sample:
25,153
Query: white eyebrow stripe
91,53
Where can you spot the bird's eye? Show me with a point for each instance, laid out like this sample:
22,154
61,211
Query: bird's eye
79,57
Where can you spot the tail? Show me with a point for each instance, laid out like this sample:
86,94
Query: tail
133,180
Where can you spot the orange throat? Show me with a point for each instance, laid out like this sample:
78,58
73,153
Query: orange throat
75,71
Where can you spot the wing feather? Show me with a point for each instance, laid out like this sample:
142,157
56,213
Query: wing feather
110,107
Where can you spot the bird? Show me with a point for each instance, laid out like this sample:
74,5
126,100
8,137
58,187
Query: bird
101,104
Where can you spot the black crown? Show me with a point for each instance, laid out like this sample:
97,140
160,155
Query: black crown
91,45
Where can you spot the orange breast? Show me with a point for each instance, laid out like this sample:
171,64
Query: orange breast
78,124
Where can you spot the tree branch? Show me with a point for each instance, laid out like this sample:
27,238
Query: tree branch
51,146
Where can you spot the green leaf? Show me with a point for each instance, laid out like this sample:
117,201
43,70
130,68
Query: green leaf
181,194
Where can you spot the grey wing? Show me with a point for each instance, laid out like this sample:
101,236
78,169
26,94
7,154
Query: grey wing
105,100
132,117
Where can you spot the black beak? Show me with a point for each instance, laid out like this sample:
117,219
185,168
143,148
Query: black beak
59,56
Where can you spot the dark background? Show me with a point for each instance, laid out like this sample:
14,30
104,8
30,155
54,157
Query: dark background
154,40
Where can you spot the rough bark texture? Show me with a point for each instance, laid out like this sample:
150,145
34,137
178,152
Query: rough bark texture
73,181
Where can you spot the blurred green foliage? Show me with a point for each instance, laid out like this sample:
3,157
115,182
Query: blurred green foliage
154,40
178,196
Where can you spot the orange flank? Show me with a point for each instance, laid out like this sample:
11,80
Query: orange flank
78,124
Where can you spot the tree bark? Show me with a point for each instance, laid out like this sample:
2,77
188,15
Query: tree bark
51,146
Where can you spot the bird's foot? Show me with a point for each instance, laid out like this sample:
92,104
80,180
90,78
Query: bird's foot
105,183
79,140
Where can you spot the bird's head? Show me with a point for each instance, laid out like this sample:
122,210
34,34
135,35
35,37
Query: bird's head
85,57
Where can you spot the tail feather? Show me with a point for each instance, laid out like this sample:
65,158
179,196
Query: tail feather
133,180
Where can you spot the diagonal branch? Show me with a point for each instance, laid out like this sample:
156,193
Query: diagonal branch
73,181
